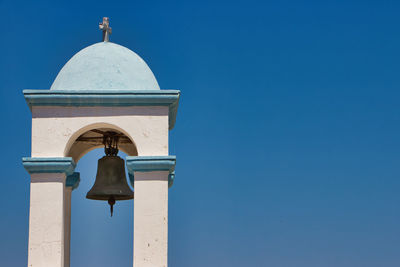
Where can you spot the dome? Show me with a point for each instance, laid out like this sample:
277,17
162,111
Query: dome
105,66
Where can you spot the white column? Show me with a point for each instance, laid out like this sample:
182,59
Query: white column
47,210
150,219
46,220
151,176
67,226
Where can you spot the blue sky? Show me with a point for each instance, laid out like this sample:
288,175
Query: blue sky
287,134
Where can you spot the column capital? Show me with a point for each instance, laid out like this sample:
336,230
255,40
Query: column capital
73,180
49,165
150,164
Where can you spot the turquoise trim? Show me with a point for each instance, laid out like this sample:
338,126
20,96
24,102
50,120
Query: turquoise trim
149,164
113,98
49,165
73,180
171,178
131,179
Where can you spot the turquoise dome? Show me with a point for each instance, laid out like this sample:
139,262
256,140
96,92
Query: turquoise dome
105,66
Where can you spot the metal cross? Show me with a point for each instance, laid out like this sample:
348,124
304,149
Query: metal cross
105,27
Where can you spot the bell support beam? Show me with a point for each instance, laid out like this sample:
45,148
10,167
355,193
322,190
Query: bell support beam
151,175
71,183
47,209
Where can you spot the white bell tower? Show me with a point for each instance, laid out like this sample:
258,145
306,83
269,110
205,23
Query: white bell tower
104,87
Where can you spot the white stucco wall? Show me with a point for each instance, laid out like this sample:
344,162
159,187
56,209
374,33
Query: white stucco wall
151,219
54,129
46,220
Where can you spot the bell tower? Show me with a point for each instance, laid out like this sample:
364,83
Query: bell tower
104,88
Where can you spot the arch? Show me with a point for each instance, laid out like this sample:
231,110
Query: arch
77,150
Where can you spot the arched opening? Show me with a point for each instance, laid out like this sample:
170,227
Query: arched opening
91,137
96,238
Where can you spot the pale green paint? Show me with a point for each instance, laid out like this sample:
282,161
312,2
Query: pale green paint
73,180
49,165
104,66
151,163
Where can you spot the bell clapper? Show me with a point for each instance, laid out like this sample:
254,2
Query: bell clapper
111,202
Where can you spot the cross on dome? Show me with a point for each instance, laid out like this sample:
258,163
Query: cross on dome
105,27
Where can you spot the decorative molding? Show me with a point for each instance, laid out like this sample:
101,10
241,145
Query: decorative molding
49,165
171,178
131,179
73,180
149,164
91,98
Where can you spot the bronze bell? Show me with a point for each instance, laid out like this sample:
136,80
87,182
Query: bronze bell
110,183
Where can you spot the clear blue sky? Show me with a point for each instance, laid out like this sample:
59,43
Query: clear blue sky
287,136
